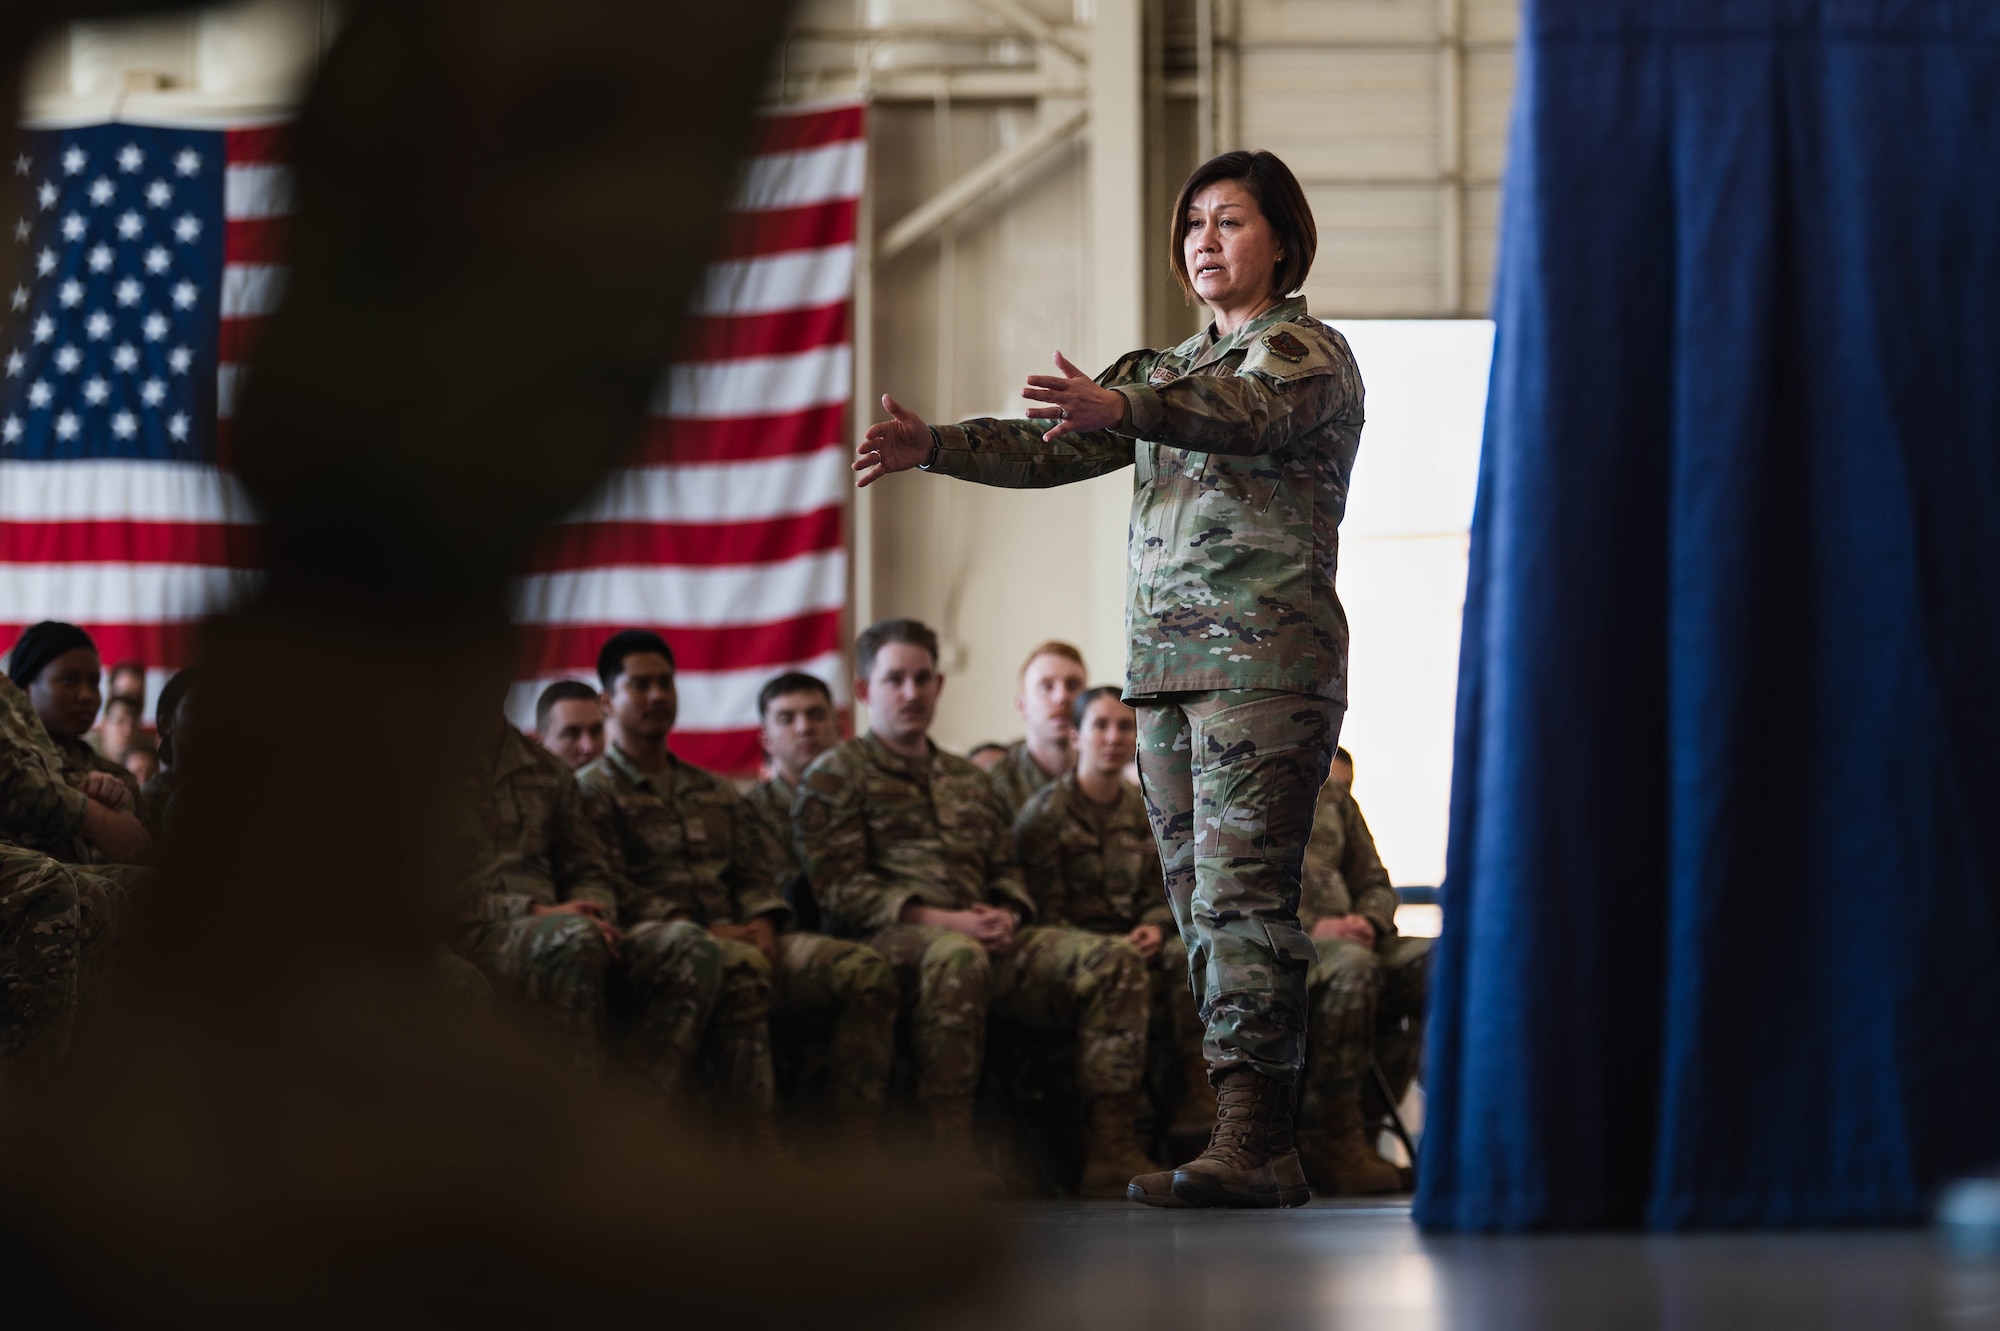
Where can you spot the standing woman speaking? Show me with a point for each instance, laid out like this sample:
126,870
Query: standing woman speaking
1244,437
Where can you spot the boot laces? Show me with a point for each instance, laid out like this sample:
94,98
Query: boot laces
1237,1138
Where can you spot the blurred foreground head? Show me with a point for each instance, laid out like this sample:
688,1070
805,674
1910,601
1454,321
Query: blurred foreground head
277,1113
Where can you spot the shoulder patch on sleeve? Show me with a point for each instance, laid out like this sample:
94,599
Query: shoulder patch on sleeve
1293,351
1284,344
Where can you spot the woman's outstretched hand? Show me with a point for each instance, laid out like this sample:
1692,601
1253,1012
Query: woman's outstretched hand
897,444
1076,402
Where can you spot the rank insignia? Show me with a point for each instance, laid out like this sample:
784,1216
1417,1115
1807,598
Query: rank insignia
1282,343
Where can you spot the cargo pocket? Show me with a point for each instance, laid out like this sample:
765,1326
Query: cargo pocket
1291,945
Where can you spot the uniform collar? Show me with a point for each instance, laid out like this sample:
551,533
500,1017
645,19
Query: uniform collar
1214,348
660,785
896,762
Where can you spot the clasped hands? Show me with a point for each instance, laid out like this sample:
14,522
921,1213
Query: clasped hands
759,933
1354,928
989,926
1072,399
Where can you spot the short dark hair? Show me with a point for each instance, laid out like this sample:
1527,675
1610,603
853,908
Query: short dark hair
792,681
910,632
138,705
1089,696
978,749
1271,183
136,667
629,642
563,690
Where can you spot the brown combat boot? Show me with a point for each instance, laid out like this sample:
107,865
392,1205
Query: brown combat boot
1342,1161
951,1144
1113,1156
1197,1112
1250,1160
1153,1188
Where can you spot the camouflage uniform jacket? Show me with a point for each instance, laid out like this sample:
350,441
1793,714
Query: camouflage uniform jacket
687,845
523,838
40,807
1342,873
1243,447
878,832
81,758
772,800
1017,777
1091,865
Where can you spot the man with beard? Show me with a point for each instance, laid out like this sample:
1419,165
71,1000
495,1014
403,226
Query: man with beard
911,849
699,859
1051,678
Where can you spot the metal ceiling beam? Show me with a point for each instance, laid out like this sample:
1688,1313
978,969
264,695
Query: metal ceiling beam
967,190
1031,24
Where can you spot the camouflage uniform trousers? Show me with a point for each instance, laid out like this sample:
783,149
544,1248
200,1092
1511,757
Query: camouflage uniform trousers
1175,1025
1367,1003
678,1000
41,925
693,1012
1231,780
556,967
1053,978
823,979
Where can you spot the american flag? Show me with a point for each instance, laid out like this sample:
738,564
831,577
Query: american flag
147,258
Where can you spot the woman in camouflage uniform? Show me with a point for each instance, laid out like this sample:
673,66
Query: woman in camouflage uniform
1243,438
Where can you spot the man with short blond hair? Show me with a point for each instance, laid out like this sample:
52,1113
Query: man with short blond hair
1051,678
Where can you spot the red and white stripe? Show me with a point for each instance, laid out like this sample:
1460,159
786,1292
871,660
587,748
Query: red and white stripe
727,535
138,552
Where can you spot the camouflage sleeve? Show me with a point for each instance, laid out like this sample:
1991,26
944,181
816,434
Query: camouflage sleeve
1264,406
1038,850
1004,886
830,827
39,809
602,811
1012,454
1367,881
758,869
578,860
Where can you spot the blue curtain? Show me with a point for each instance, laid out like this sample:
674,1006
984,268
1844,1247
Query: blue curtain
1720,941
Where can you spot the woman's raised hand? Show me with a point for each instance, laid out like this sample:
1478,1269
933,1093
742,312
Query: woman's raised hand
897,444
1076,402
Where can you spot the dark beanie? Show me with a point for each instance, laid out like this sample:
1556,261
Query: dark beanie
41,644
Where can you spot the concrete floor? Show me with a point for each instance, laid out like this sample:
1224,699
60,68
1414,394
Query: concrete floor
1360,1265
